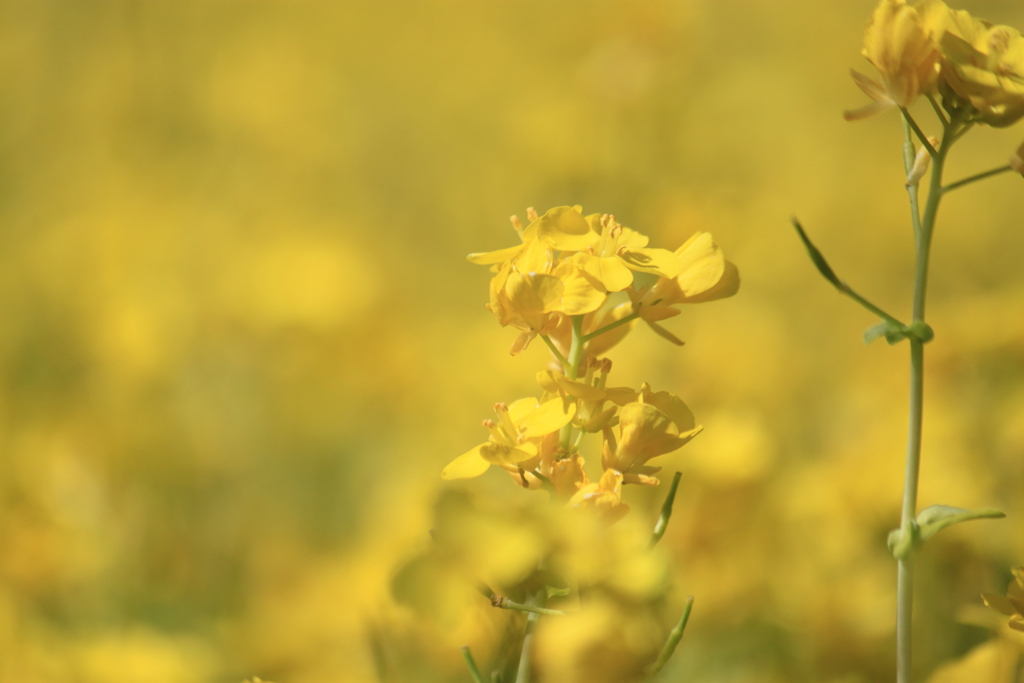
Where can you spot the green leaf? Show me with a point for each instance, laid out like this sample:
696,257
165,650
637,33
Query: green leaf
816,256
892,333
935,518
556,592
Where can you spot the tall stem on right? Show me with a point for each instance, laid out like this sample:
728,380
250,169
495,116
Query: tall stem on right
923,240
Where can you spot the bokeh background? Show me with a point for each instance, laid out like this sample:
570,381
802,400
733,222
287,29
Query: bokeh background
239,339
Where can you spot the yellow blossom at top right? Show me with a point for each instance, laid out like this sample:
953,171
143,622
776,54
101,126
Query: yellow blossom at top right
929,49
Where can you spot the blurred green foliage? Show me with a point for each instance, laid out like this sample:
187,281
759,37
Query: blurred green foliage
239,338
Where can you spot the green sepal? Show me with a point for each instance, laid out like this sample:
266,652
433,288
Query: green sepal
935,518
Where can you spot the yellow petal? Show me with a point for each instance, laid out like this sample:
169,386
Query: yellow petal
579,390
610,271
581,293
701,264
654,261
631,239
536,258
565,229
501,454
533,293
468,465
486,258
517,410
548,417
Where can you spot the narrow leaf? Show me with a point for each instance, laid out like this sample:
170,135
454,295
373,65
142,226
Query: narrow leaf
935,518
819,260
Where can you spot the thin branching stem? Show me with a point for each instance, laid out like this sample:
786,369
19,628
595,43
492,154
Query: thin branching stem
920,133
556,352
938,110
505,603
526,656
611,326
977,177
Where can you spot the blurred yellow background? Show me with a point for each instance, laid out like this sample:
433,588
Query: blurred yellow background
239,338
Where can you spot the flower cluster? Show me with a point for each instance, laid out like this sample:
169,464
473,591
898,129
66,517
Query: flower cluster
929,49
581,283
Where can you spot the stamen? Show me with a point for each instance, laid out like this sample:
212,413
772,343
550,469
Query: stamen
509,427
531,214
517,224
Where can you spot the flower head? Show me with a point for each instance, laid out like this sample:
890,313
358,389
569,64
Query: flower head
515,438
984,65
900,42
656,424
703,275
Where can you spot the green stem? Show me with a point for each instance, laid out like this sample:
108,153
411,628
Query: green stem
526,656
938,110
975,178
920,133
471,665
572,371
905,574
554,350
505,603
611,326
673,639
666,510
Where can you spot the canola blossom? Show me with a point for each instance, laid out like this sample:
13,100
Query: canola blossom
560,283
580,283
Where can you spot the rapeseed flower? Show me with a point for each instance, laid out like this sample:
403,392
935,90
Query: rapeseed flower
619,251
605,497
703,275
900,41
984,65
656,424
514,439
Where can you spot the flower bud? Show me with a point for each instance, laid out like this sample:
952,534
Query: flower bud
921,163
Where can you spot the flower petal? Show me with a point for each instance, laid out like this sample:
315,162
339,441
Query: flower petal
610,271
654,261
565,229
548,417
486,258
468,465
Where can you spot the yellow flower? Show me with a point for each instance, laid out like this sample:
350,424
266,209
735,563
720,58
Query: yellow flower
1012,604
514,438
900,42
984,64
704,275
656,424
618,252
562,228
1017,160
605,497
532,292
